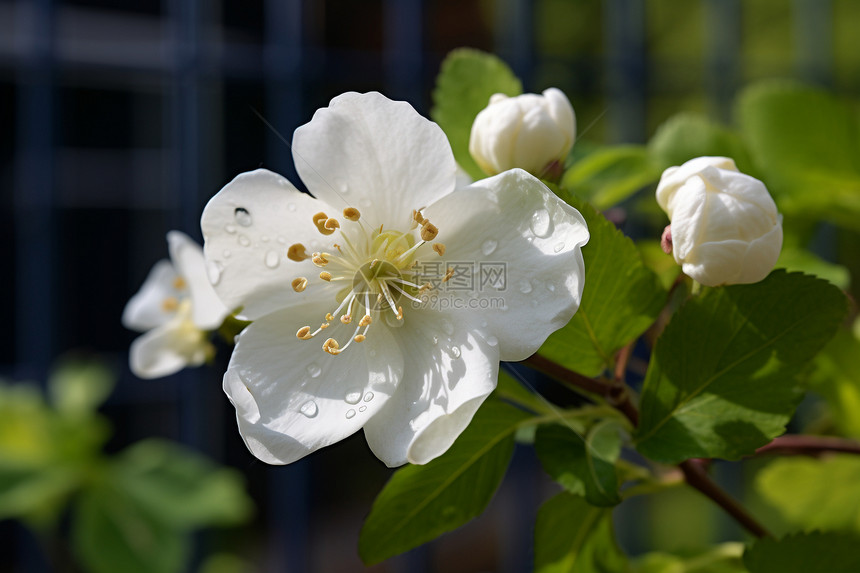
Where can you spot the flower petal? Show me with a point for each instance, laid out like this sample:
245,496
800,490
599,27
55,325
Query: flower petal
146,309
451,369
374,154
292,398
248,227
207,310
522,246
167,349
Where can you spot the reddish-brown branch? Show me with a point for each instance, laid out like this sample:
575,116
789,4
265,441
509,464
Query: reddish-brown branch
621,362
809,445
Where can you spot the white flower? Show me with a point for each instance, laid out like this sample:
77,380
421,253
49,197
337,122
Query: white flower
176,305
330,352
725,228
528,131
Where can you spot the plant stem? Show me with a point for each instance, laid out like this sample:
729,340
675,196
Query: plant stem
809,445
617,395
696,476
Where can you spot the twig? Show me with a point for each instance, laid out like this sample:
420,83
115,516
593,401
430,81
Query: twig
809,445
621,362
696,476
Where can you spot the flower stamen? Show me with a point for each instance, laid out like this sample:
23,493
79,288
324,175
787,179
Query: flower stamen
300,284
297,253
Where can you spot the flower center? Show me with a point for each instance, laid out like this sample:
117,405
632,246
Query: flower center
377,267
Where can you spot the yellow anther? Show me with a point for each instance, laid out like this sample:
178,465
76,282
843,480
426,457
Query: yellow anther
331,346
319,259
332,224
170,304
351,213
417,216
359,338
399,313
329,317
326,276
439,248
297,253
319,217
179,283
365,320
304,333
324,325
346,319
428,231
300,284
448,275
321,221
424,288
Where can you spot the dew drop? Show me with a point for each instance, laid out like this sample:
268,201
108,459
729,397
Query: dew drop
244,240
353,396
213,269
492,340
435,340
550,287
350,413
314,370
291,206
226,254
264,238
230,228
525,286
242,216
368,397
558,247
309,409
455,352
489,246
541,224
362,409
272,259
365,202
282,240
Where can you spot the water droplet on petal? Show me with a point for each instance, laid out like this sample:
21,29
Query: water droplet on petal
525,286
314,370
272,259
226,254
230,228
291,206
264,238
353,396
282,240
435,340
368,397
492,340
362,409
244,240
309,409
550,287
541,223
242,216
214,269
350,413
455,352
365,202
489,246
558,248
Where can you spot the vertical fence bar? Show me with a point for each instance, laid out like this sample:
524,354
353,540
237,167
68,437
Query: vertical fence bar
722,55
813,41
284,76
626,69
403,57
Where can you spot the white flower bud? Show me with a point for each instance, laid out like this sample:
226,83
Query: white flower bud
725,226
529,131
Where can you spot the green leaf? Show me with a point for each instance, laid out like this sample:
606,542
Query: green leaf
721,379
806,143
583,465
465,83
608,176
32,493
814,494
724,558
805,553
572,536
663,265
621,299
110,533
837,378
795,259
181,487
419,503
687,135
77,387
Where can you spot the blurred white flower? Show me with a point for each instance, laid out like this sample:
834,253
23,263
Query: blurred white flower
175,307
725,228
386,302
529,131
